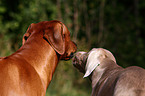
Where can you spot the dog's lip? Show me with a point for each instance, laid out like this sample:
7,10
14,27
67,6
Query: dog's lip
69,57
74,61
76,65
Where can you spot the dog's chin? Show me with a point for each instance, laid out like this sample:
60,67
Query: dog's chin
75,63
67,58
79,67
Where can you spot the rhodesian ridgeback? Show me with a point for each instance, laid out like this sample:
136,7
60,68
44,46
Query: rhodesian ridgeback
108,78
28,71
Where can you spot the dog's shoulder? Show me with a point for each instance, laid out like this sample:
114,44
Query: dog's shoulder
131,81
133,72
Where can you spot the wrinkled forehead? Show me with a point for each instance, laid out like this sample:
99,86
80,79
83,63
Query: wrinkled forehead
99,51
46,24
82,52
91,54
81,55
96,52
84,56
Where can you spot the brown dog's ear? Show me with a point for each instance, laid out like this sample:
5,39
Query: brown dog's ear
25,37
54,35
27,34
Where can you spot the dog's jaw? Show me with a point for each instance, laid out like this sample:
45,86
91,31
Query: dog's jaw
79,61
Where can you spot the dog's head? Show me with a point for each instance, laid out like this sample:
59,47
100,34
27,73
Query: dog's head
88,62
56,34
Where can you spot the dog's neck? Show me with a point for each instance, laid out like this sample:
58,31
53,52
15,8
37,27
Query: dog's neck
42,58
105,68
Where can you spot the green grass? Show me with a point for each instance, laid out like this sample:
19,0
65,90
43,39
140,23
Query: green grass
68,81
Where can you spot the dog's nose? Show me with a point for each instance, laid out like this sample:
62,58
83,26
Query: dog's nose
71,55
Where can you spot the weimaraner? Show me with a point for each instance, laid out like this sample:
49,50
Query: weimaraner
108,78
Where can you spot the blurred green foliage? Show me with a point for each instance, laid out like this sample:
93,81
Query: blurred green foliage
117,25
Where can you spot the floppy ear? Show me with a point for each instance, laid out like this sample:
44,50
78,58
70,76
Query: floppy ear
92,62
27,34
54,35
25,37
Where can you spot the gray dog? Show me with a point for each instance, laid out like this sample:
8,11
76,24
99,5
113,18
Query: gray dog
108,78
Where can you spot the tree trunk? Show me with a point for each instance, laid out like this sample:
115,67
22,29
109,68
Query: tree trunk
87,23
76,24
136,12
58,3
101,22
67,10
137,33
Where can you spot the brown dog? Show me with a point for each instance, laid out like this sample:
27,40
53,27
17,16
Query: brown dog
109,79
29,71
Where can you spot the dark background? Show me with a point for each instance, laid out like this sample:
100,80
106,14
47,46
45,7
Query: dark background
117,25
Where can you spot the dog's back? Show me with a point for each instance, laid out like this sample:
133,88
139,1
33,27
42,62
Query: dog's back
18,77
108,78
123,82
131,82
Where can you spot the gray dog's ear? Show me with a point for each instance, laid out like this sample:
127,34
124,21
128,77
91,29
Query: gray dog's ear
92,62
95,57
